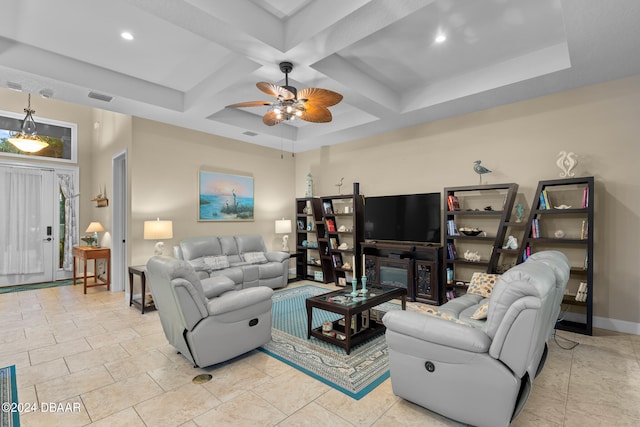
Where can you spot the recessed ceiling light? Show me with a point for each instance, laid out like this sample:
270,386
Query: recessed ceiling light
440,38
126,35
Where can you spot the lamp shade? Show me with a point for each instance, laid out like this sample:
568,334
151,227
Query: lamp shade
95,227
156,230
283,226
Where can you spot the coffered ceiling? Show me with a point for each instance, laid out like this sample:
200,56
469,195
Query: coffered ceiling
191,58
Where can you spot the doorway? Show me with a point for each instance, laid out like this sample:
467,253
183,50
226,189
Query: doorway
119,264
32,225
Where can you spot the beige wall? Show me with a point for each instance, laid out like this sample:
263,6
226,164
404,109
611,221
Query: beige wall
520,143
164,183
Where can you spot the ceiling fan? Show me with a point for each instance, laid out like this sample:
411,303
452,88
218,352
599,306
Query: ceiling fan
308,104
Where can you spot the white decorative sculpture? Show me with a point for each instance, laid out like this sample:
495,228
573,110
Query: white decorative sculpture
567,162
309,191
512,243
471,256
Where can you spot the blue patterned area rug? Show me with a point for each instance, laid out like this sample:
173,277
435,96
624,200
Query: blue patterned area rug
20,288
9,416
355,374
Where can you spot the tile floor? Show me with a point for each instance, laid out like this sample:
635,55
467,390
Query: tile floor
111,366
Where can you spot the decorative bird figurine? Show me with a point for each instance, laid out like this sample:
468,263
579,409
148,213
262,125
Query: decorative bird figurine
480,170
567,162
339,185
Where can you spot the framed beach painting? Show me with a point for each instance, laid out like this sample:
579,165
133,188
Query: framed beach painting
224,197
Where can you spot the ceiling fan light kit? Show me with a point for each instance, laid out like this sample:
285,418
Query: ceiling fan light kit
308,104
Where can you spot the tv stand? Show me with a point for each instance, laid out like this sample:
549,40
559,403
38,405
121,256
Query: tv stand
416,267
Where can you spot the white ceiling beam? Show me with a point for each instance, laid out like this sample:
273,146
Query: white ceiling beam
49,65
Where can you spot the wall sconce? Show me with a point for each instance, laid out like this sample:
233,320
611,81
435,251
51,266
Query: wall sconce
283,226
157,230
95,228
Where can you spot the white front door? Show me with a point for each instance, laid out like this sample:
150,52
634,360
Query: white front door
27,225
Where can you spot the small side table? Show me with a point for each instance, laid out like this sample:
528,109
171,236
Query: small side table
299,273
86,253
142,304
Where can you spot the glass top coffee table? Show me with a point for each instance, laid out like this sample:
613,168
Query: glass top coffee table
356,312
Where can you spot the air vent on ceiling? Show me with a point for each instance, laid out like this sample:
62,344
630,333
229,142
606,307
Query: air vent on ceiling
249,133
14,86
100,96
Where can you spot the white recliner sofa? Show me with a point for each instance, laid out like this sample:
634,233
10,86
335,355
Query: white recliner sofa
243,259
479,372
207,322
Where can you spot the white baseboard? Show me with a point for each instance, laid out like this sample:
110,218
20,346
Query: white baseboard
607,323
616,325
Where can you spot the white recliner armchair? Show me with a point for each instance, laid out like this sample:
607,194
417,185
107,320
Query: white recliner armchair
476,374
207,321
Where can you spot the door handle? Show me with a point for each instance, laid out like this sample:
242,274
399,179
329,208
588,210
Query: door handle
48,239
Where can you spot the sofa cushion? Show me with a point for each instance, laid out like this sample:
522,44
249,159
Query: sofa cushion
270,270
482,284
254,257
217,262
527,279
198,247
250,243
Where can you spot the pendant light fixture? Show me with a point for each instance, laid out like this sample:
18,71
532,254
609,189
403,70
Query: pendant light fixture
27,140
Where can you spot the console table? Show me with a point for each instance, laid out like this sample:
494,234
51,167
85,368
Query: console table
417,268
86,253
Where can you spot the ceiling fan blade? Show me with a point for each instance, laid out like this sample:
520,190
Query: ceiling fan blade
316,113
319,96
271,119
249,104
275,90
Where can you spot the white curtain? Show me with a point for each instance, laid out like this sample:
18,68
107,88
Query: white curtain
70,230
20,201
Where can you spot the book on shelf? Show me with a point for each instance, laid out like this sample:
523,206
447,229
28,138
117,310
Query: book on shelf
333,243
581,295
547,202
452,228
585,197
451,250
542,203
326,206
535,228
337,260
452,203
527,253
331,225
584,234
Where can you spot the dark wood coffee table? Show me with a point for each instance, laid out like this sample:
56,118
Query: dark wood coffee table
353,309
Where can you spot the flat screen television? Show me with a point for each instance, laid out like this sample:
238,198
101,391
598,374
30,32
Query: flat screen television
403,218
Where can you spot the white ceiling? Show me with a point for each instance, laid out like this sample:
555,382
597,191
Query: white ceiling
191,58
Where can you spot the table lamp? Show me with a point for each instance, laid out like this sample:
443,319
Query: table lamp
157,230
95,228
283,226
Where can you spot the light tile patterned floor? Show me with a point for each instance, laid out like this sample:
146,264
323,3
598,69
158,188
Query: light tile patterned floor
114,364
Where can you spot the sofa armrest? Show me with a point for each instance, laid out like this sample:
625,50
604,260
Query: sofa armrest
235,300
215,286
437,331
277,256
